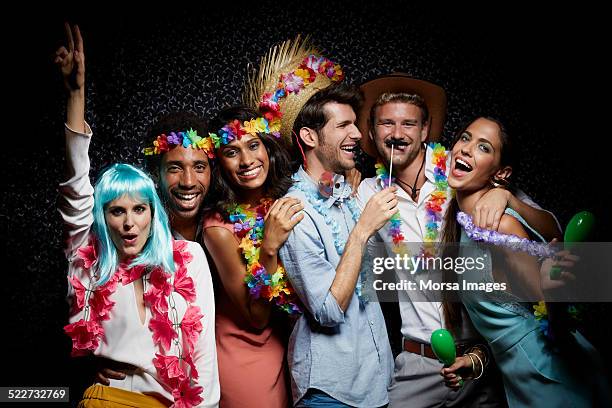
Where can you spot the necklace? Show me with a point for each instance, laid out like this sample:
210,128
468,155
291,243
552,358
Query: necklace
249,228
413,190
434,204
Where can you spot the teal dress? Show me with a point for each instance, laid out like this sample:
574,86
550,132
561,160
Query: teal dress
535,373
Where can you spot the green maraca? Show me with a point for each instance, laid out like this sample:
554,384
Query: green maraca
579,229
443,346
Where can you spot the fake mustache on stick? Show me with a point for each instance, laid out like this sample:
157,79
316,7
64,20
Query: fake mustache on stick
393,143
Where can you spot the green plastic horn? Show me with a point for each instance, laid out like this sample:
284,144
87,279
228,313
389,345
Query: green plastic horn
443,346
579,229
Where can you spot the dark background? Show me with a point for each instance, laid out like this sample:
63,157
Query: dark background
540,71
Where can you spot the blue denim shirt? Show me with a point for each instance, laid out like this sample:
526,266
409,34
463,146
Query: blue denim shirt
344,354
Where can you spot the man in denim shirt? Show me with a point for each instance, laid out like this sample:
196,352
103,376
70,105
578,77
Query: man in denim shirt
339,352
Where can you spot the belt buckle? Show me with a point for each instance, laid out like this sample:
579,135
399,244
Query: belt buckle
422,349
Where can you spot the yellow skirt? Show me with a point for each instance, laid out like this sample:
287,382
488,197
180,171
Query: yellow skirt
100,396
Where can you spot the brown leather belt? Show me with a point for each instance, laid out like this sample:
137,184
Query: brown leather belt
424,349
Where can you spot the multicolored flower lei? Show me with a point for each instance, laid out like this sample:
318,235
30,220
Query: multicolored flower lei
294,82
235,130
232,131
190,138
433,206
249,227
176,370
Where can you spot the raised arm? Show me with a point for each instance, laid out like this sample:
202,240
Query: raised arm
76,193
326,290
279,222
71,62
378,210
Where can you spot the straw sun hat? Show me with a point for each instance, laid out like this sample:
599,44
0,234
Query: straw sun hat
288,75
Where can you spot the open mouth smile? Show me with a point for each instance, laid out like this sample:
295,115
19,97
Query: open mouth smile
250,173
461,168
349,149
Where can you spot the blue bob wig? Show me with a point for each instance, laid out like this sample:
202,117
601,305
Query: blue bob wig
115,182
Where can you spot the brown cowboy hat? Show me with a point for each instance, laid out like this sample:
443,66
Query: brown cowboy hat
434,96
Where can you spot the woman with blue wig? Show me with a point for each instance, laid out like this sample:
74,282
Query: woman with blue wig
138,297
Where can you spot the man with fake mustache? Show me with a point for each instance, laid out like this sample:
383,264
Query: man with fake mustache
399,115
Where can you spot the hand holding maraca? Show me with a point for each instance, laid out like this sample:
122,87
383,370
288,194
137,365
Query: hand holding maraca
555,272
579,229
455,368
452,375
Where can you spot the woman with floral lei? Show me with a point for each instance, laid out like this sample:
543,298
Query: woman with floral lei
243,234
138,298
552,367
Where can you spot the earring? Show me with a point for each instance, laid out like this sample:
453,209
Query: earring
499,182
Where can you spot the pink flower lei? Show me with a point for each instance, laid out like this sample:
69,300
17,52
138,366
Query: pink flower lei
176,370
